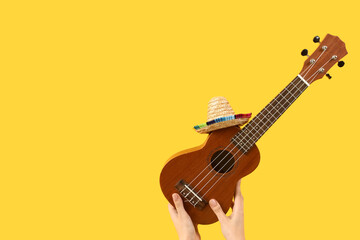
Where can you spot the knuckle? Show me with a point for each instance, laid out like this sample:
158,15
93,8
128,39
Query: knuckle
217,209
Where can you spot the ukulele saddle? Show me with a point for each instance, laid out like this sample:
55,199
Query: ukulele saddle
190,195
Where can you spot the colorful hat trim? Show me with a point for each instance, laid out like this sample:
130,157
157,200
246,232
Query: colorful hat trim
222,119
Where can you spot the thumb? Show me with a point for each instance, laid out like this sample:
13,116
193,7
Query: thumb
178,203
215,206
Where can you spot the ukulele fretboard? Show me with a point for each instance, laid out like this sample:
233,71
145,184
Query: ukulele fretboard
253,131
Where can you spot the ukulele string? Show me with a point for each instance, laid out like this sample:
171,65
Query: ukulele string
311,79
294,86
307,68
210,164
324,49
237,138
314,76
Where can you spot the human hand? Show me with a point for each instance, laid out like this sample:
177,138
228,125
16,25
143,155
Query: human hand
182,221
232,226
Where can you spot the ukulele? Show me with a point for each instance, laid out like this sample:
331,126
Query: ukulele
212,169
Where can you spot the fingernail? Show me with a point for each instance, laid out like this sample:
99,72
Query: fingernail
175,197
212,203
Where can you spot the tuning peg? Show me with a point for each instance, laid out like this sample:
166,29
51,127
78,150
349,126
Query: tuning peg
341,63
329,76
304,52
316,39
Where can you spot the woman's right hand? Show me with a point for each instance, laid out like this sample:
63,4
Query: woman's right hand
232,226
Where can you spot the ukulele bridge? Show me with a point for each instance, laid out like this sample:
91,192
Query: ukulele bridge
190,195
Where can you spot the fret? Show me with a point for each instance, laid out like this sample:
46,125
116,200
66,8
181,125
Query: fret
298,85
279,106
241,142
254,130
269,115
295,87
277,110
243,139
289,97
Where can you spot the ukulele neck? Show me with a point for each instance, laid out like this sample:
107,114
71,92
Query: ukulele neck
253,131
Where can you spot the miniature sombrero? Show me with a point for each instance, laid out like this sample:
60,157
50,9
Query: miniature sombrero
221,115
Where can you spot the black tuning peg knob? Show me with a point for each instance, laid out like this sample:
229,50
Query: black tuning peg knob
341,63
304,52
316,39
329,76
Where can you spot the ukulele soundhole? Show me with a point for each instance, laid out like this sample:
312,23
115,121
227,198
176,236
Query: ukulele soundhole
222,161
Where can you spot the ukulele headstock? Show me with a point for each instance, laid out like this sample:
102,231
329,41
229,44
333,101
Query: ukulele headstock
330,51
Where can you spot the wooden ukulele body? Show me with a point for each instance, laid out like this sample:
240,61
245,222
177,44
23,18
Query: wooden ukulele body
200,168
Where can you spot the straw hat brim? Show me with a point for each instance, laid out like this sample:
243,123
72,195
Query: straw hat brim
223,122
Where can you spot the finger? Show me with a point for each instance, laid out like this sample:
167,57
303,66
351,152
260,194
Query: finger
238,190
215,206
196,228
197,232
172,211
239,200
178,203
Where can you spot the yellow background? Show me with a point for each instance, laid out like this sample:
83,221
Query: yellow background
96,95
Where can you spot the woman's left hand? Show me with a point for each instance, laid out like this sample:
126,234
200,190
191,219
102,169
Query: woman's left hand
182,221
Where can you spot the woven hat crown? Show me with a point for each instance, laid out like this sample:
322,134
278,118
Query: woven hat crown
219,107
221,115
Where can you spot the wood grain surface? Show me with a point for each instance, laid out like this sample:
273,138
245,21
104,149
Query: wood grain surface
188,164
